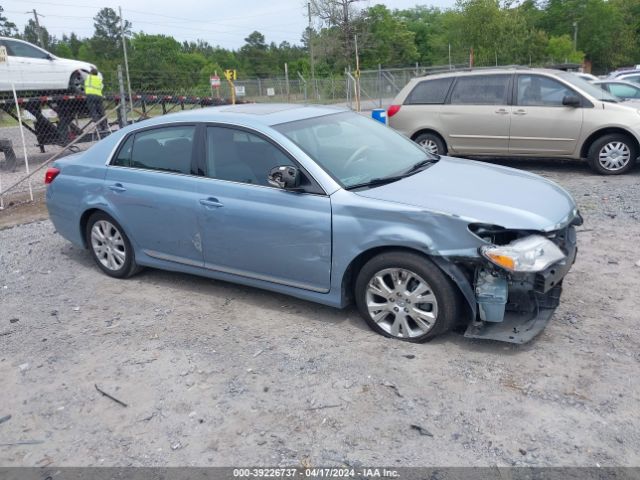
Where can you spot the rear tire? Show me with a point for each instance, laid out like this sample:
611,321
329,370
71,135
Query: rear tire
432,143
109,246
406,296
613,154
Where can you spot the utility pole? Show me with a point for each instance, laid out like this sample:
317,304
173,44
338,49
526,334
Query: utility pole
40,37
575,36
313,73
126,60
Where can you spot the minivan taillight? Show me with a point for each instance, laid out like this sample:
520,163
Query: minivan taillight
52,173
392,110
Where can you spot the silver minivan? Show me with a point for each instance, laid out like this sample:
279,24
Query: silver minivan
519,112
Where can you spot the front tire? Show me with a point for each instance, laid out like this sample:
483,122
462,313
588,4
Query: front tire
432,143
406,296
76,83
109,246
613,154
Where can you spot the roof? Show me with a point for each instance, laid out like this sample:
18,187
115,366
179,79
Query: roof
267,114
491,70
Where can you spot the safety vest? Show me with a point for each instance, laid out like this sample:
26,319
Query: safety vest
93,85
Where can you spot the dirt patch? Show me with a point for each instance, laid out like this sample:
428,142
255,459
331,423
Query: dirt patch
218,374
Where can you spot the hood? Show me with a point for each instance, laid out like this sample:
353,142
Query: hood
74,64
484,193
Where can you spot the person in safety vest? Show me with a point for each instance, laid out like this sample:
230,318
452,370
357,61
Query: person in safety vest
93,90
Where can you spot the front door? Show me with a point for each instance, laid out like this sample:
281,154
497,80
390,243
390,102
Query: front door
153,191
476,118
255,230
540,123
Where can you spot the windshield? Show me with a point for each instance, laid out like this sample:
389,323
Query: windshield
354,149
593,90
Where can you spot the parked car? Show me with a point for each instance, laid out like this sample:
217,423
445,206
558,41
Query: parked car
620,89
586,76
629,75
29,67
519,112
328,206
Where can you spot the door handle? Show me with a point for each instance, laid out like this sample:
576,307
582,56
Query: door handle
520,112
117,187
502,111
210,202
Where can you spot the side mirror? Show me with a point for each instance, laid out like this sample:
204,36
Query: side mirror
571,101
284,176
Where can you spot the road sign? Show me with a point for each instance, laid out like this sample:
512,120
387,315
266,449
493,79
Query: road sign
215,81
230,74
240,90
271,92
3,54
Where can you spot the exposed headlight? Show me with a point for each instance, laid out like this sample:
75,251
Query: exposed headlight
530,254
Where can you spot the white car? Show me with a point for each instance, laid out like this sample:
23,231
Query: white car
28,67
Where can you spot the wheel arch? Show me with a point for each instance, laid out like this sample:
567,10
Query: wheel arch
84,219
433,132
450,269
584,150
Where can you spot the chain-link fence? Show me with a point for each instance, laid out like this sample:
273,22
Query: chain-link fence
40,124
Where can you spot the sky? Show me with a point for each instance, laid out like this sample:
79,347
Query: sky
224,23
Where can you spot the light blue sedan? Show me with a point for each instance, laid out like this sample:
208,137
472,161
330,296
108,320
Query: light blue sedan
328,206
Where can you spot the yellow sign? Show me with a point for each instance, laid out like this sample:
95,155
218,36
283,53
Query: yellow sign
356,73
3,54
230,75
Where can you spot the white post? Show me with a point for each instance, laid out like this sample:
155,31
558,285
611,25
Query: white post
1,197
24,144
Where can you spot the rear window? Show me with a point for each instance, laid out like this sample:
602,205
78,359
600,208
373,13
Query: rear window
481,90
429,92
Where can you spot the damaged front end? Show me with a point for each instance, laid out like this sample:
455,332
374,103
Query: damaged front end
518,282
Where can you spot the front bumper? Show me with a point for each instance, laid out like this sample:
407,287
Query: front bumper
528,302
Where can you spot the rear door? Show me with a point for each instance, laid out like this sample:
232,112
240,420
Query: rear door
152,188
540,123
476,118
9,73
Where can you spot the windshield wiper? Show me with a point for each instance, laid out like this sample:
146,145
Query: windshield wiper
376,181
416,167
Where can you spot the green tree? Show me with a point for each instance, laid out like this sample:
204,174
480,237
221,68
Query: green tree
386,39
560,49
7,28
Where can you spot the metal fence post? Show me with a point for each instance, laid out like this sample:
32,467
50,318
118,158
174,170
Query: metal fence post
304,82
380,85
122,121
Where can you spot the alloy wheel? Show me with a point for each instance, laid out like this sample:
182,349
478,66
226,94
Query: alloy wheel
401,303
108,245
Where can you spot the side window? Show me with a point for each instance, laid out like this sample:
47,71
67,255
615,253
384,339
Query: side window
481,90
538,91
167,149
632,78
429,92
240,156
19,49
624,91
123,157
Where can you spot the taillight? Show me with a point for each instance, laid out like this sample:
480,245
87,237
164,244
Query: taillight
52,173
392,110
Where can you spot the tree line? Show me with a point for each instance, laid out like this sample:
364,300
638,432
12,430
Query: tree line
605,33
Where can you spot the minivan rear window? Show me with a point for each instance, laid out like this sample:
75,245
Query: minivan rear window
481,90
429,92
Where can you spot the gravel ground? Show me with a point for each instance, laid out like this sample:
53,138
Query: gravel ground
218,374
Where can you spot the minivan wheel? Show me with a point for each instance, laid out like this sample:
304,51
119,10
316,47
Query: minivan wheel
613,154
405,296
109,246
431,143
